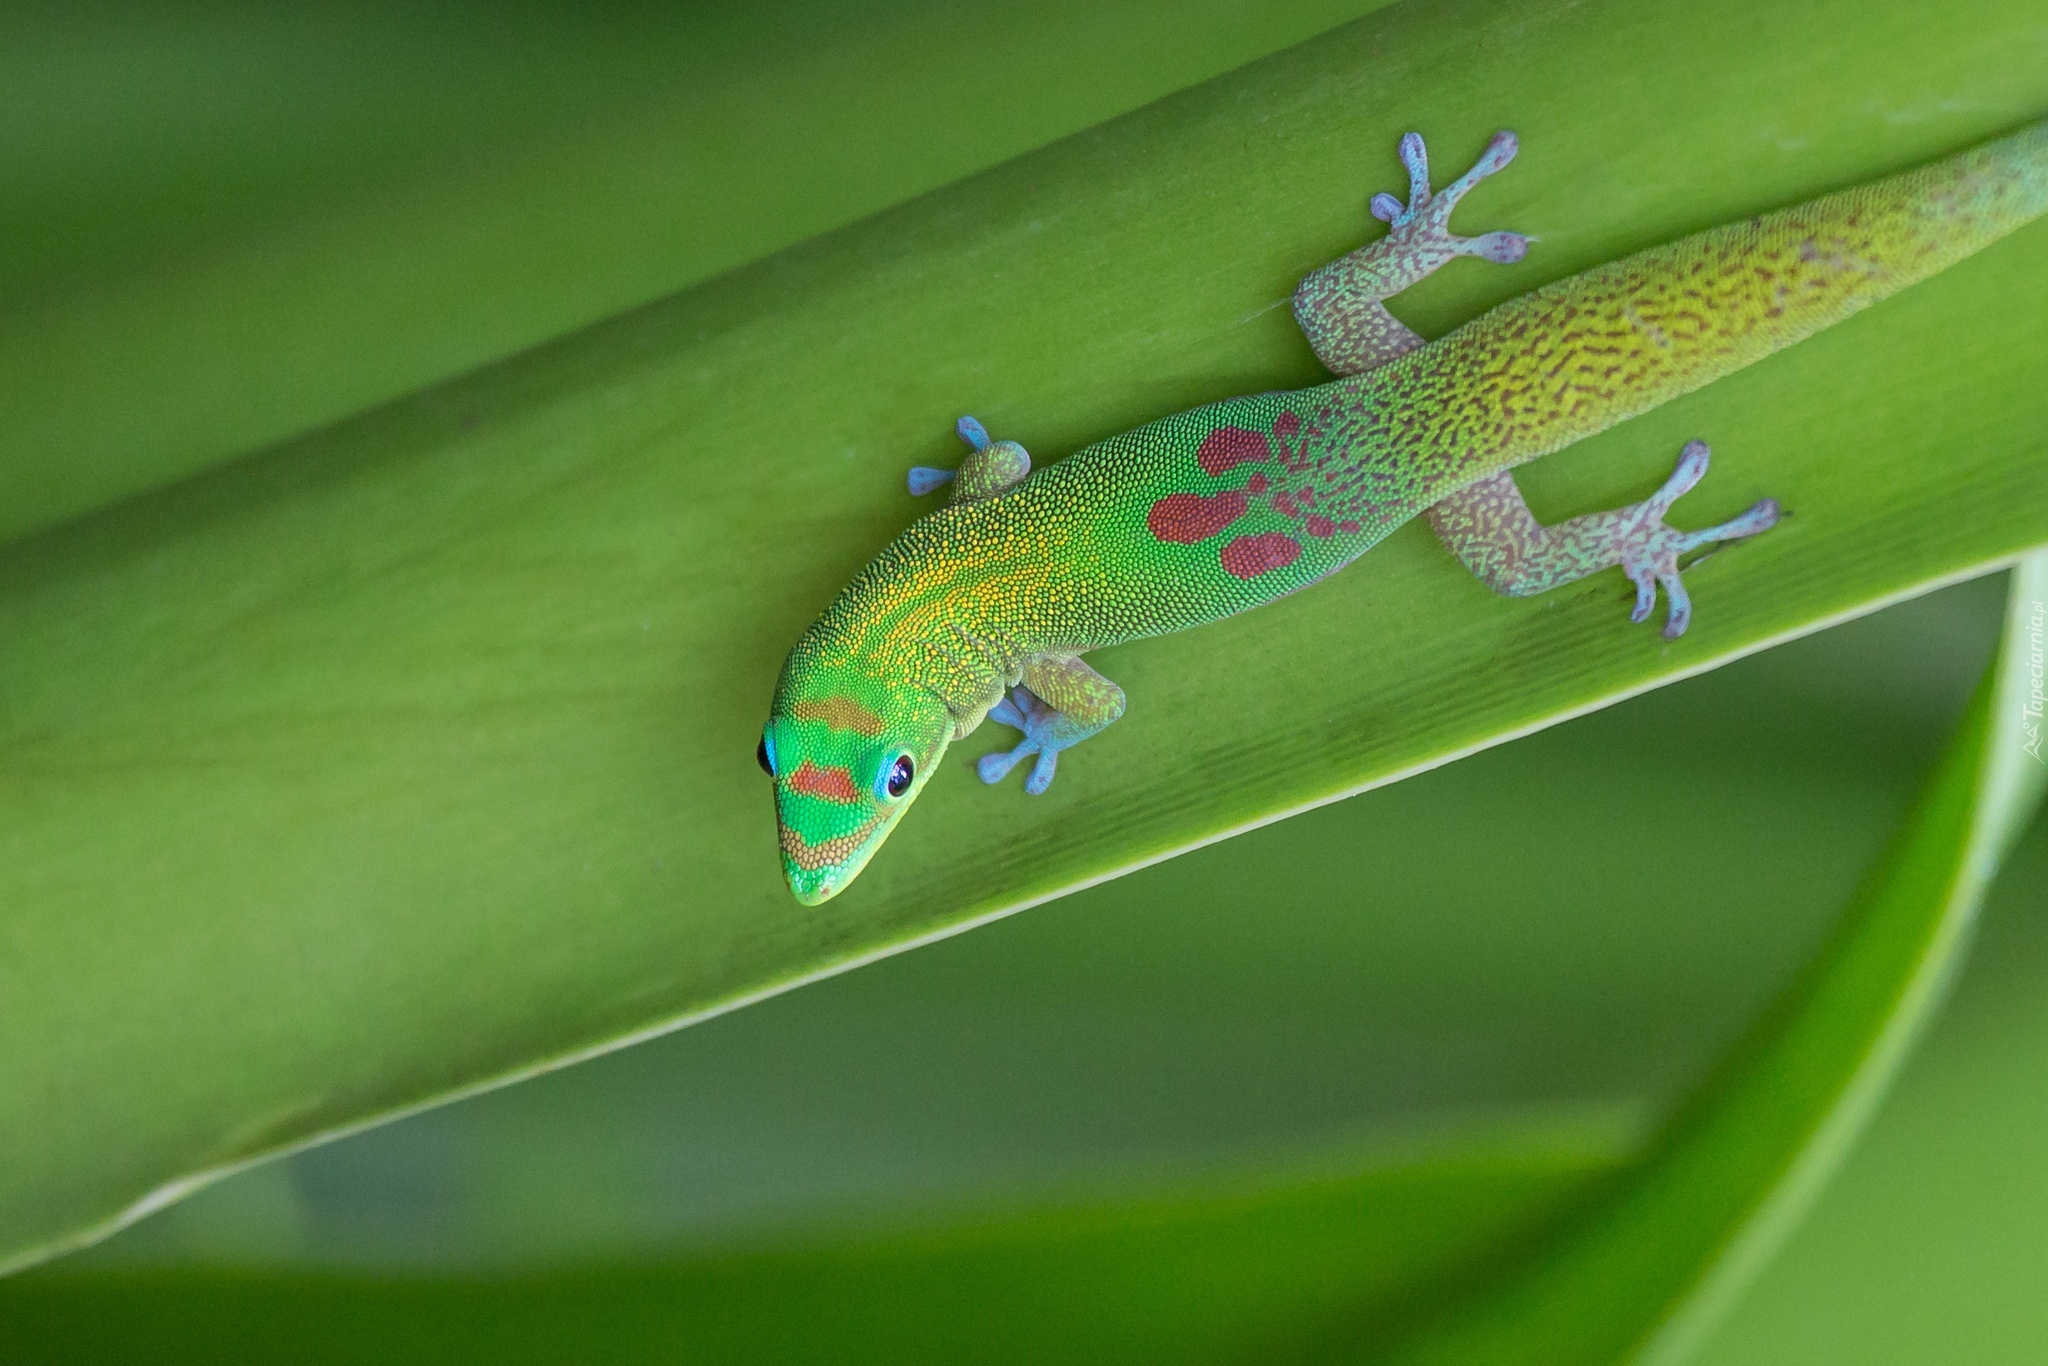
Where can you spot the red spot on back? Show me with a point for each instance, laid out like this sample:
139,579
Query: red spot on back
1247,557
1287,424
1283,503
1319,525
1227,447
1258,483
1349,526
833,784
1185,518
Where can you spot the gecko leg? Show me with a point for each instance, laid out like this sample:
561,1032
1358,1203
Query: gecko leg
1339,306
994,466
1489,527
1060,703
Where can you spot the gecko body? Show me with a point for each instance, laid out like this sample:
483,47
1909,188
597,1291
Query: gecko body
983,609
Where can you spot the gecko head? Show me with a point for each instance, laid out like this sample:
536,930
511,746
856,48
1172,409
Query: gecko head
848,754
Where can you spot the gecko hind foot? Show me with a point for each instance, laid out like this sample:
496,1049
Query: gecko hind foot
1426,217
1650,549
1024,711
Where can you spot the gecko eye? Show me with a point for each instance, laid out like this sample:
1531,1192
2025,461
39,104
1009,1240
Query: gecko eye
765,755
896,778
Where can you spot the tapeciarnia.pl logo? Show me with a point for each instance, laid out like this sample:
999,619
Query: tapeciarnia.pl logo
2031,713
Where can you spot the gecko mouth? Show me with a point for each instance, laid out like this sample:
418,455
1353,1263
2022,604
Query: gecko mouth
839,858
813,858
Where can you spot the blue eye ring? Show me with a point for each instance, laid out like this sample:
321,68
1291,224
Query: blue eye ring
765,755
896,777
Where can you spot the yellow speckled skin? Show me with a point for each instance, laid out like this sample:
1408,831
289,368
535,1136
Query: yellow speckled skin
1209,512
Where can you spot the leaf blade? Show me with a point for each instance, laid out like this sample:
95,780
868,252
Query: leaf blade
416,755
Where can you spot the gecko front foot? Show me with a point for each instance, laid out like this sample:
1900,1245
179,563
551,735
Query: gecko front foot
994,467
1023,710
1423,224
1650,549
1058,703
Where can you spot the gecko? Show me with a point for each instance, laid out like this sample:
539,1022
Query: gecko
983,609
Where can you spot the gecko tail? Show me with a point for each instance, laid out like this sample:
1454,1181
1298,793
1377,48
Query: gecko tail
1783,276
1584,353
1925,220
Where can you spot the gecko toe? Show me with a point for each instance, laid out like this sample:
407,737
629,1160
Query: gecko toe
1502,248
993,768
1498,153
1681,605
1760,517
923,479
1042,771
1646,597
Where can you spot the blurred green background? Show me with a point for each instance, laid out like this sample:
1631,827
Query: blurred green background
231,221
255,211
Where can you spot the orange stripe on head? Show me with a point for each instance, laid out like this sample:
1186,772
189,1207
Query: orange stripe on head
833,784
840,712
826,853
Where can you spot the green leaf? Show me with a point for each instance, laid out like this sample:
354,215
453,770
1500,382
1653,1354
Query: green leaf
418,753
1531,1243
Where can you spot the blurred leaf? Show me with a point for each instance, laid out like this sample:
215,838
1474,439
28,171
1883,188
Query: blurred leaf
420,752
1251,1261
1645,1277
1926,1248
231,221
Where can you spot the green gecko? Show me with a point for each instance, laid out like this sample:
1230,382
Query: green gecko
983,609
